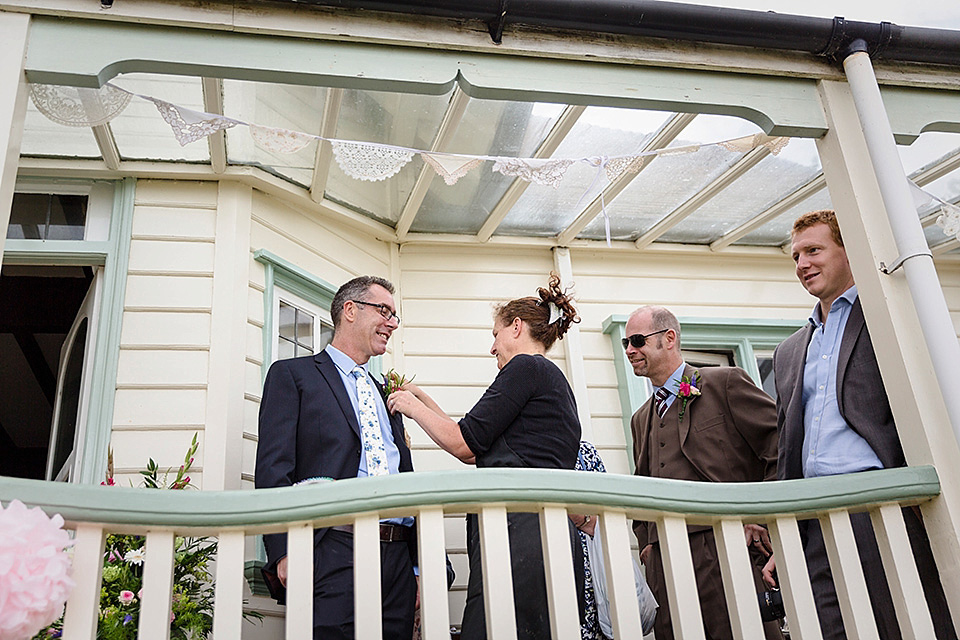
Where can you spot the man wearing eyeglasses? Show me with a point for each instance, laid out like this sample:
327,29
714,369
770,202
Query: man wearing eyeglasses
324,416
711,424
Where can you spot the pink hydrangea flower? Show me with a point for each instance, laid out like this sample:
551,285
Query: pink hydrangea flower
34,580
126,597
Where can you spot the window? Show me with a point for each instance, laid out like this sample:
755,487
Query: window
747,343
302,328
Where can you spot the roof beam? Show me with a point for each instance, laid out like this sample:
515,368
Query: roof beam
547,148
328,129
103,134
213,103
663,137
448,127
944,247
800,194
744,164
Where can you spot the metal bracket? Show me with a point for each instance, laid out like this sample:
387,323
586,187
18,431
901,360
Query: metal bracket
901,259
495,25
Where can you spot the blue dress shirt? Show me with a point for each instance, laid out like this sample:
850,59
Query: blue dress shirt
672,384
830,446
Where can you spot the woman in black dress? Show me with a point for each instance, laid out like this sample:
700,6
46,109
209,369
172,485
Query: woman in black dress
526,418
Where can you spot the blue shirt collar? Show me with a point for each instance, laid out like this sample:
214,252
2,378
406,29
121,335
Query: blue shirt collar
342,361
673,382
849,296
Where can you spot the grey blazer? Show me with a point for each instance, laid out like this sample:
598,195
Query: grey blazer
860,394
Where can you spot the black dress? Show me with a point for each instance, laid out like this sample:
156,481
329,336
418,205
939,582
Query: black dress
526,418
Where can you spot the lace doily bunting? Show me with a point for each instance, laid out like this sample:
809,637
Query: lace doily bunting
949,219
451,168
749,143
371,162
616,167
279,140
189,125
77,106
546,172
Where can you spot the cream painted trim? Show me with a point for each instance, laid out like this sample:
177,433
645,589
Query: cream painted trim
573,349
13,108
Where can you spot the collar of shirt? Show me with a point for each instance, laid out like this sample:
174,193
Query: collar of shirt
849,296
672,384
343,362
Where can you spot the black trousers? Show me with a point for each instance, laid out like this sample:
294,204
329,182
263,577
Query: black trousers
825,593
333,606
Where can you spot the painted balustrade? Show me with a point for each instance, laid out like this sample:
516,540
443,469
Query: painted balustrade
94,511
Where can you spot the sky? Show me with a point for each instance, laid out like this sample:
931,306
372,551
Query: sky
940,14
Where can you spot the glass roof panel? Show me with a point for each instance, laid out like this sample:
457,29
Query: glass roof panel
670,180
609,131
142,134
283,106
44,137
750,195
928,148
401,119
777,231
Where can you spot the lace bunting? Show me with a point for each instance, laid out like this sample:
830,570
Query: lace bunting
279,140
371,162
189,125
451,168
545,172
949,219
748,143
626,164
78,106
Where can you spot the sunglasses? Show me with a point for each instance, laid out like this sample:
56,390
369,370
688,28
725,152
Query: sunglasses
638,340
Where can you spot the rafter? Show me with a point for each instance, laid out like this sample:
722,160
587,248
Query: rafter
946,246
547,148
448,127
744,164
328,129
663,137
213,103
103,134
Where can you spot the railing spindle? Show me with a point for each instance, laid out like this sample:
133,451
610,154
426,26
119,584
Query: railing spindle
794,581
157,587
366,577
618,562
497,579
299,582
228,590
434,609
681,581
841,545
901,570
80,620
558,569
738,585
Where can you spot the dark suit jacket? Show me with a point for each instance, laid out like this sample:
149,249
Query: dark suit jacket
728,433
860,394
308,429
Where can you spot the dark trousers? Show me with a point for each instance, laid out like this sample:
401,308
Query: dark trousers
529,583
825,594
333,607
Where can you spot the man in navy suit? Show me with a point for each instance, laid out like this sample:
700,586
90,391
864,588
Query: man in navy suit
834,417
310,426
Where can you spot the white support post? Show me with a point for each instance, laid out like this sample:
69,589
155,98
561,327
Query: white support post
912,382
368,616
434,608
83,606
573,349
13,108
735,567
497,578
681,580
848,577
299,582
157,586
228,589
794,580
614,529
558,570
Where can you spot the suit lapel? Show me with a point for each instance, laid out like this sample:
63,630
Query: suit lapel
685,419
851,332
330,373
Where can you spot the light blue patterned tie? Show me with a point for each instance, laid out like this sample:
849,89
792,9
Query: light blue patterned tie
370,426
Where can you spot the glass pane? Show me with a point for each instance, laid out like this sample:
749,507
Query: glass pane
141,132
765,363
305,329
285,349
777,231
47,217
44,137
66,426
287,321
326,335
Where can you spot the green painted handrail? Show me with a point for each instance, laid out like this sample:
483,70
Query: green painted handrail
268,510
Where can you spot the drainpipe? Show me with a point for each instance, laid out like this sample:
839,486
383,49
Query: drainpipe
915,258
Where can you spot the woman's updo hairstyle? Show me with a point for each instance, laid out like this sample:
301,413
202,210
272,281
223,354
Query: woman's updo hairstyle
552,303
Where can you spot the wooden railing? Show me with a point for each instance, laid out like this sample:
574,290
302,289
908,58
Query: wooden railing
95,511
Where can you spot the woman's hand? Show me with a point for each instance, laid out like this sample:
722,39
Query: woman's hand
404,402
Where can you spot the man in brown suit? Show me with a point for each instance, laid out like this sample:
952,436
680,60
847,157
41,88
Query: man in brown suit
712,425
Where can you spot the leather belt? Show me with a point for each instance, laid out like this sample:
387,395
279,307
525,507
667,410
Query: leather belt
388,532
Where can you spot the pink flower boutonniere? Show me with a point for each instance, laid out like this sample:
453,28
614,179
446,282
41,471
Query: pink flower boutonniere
392,381
687,390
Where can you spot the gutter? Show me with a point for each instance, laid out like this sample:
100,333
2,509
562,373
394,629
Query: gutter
823,37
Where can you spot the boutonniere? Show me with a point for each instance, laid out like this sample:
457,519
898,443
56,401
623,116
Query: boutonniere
392,381
687,390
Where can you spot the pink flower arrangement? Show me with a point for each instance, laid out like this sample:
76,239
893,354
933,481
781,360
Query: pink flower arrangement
687,390
126,597
34,570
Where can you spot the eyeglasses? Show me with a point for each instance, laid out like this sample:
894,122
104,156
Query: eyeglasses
381,308
638,340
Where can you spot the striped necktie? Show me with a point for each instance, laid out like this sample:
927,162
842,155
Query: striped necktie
370,426
660,401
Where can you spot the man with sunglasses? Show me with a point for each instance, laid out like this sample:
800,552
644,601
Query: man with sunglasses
711,424
323,416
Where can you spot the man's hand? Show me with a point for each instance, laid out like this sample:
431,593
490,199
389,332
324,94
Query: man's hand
767,572
282,570
757,536
645,554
